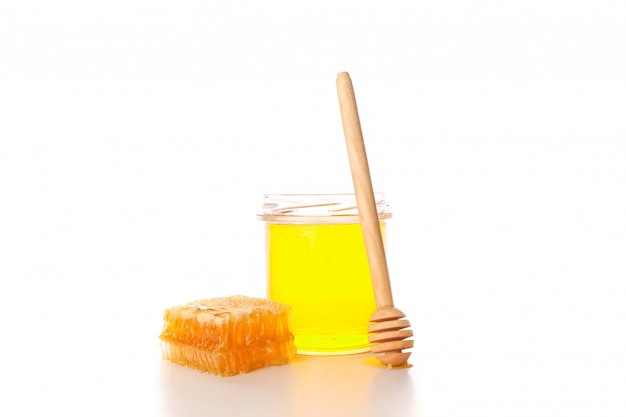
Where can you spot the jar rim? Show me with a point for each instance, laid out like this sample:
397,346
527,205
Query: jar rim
317,208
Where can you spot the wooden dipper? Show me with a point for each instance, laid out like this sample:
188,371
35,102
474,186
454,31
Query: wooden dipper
387,331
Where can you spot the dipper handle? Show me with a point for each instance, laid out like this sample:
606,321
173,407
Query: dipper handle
368,214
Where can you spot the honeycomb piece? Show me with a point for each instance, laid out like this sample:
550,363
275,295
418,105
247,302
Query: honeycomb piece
229,335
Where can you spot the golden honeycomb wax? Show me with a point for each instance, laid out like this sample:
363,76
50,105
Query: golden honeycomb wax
228,335
317,264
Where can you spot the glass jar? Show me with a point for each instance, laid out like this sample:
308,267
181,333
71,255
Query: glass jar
317,264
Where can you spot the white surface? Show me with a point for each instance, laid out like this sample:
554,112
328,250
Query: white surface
311,386
136,140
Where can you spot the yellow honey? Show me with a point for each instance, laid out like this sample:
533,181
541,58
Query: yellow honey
317,264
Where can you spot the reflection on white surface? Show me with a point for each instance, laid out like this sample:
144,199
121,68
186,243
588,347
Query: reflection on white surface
310,386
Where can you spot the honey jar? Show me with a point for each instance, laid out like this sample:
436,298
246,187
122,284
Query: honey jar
316,263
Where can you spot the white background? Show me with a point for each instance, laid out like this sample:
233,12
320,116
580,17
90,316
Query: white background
137,139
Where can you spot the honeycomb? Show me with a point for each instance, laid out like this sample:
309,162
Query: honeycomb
228,335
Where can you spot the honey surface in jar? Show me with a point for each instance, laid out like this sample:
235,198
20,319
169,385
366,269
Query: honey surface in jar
321,271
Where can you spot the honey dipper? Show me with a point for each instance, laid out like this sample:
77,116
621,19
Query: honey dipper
387,331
